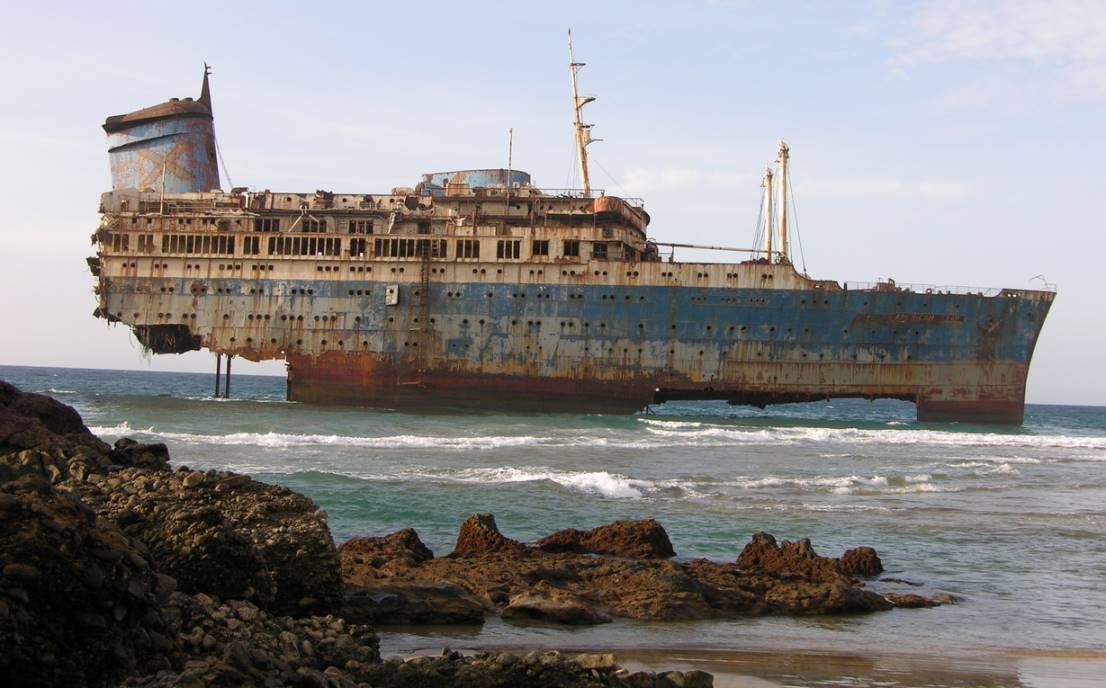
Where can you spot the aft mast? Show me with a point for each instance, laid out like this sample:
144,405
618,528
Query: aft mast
769,219
583,131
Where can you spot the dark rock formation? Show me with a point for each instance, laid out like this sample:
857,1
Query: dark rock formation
78,598
402,544
642,539
548,603
764,554
58,418
480,535
579,588
407,603
223,534
861,561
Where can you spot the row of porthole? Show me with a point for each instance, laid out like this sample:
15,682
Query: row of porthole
299,342
167,316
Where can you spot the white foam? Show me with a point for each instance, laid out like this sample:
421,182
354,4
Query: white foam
893,436
117,430
988,468
605,484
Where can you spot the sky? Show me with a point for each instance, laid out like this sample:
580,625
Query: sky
935,142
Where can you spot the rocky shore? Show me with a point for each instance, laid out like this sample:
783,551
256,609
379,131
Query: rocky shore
116,569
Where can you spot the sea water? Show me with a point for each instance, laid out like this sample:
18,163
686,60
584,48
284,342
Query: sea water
1010,519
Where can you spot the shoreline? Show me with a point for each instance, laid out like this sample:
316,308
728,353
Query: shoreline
47,456
744,668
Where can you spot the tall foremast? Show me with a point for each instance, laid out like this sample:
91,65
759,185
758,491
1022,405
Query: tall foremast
781,160
583,131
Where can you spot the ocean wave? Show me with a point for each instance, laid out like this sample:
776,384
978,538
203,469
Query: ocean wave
848,484
600,483
776,435
603,483
52,390
118,430
988,468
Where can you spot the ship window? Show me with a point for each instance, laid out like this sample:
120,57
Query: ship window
360,226
541,247
424,227
357,247
507,248
599,250
251,246
571,247
313,225
266,224
121,242
468,248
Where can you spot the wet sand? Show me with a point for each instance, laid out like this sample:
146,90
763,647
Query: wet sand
798,667
735,669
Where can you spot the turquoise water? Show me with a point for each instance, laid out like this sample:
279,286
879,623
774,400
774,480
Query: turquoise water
1012,520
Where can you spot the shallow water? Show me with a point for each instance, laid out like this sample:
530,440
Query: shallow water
1011,520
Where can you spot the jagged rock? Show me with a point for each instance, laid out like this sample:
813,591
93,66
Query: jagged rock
403,544
641,539
796,558
861,561
480,535
633,588
550,604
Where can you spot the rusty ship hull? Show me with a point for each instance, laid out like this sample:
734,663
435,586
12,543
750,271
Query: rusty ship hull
477,289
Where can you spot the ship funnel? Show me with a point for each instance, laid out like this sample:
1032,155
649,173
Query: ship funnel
168,147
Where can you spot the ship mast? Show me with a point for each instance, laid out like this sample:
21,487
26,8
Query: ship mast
784,154
769,220
583,131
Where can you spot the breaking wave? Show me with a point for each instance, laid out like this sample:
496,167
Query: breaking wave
777,435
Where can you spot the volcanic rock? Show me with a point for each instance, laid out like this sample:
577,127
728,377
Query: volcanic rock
480,535
797,558
641,539
404,544
535,582
861,561
557,606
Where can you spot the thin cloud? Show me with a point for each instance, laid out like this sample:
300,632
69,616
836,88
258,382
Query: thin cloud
1041,41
